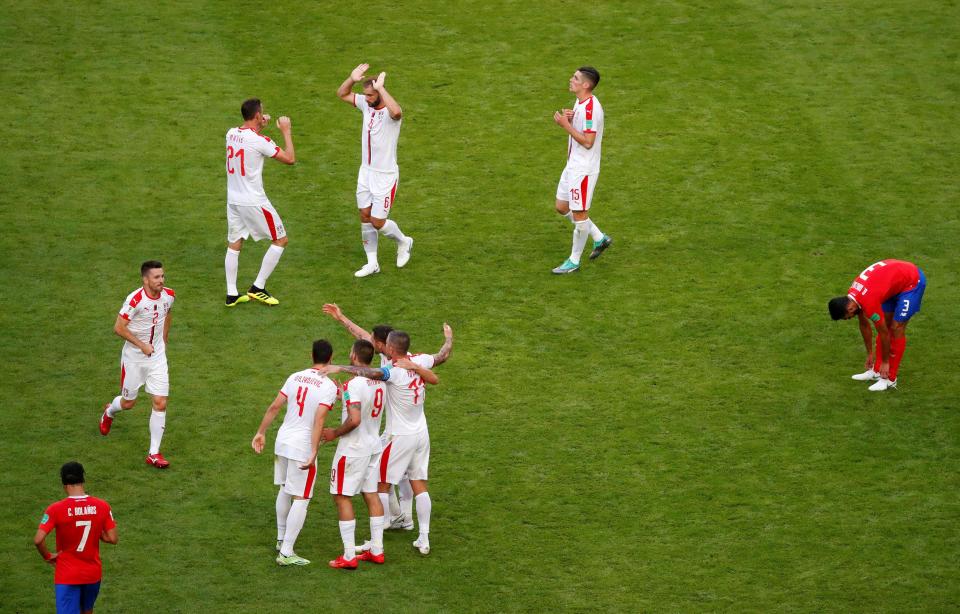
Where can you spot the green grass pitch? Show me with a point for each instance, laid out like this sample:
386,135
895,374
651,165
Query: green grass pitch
671,429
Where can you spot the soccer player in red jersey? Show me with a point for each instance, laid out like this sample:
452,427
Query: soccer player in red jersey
887,294
81,521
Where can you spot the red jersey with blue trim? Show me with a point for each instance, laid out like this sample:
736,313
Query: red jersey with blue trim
79,522
880,282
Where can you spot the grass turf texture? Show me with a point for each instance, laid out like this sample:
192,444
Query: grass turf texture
671,429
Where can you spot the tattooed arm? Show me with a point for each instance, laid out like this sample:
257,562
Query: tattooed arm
333,310
441,356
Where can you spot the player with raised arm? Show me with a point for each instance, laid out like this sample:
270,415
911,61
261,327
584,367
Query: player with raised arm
81,523
584,127
885,295
379,174
408,452
308,396
356,461
144,325
249,212
400,498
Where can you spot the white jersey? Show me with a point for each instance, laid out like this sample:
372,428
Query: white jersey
378,139
147,316
246,150
587,118
405,393
365,439
306,392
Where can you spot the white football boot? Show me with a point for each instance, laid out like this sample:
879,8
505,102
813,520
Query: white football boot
403,252
883,384
367,545
422,546
367,269
401,522
866,376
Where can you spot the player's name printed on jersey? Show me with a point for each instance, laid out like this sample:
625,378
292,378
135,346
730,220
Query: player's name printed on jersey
82,510
314,381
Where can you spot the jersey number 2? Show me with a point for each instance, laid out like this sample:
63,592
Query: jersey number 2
235,154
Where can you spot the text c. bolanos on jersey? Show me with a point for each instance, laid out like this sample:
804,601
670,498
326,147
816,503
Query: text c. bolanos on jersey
246,151
405,393
587,118
306,391
369,395
147,316
378,139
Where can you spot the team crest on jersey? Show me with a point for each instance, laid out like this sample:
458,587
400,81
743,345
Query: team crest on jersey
875,317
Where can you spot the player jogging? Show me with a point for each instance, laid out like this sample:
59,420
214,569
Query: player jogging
249,212
379,174
144,324
408,452
308,396
584,125
400,506
81,523
356,461
886,294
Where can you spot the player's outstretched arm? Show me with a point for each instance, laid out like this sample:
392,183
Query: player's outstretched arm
376,373
333,310
122,328
444,353
287,154
392,107
260,439
426,374
344,92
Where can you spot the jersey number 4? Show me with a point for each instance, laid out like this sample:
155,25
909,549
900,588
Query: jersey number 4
301,398
238,154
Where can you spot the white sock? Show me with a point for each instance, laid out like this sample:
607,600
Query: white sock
370,239
406,498
581,230
385,501
376,534
284,501
231,263
347,528
391,230
424,505
395,509
114,408
158,422
595,233
298,513
270,260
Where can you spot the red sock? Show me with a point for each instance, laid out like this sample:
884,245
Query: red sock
897,346
879,356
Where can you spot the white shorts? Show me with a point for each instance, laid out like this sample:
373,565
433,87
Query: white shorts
257,221
295,481
351,475
150,372
405,456
577,190
376,190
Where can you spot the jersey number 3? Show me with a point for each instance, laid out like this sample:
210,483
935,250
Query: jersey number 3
231,153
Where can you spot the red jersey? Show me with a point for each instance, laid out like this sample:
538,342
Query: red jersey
79,521
880,282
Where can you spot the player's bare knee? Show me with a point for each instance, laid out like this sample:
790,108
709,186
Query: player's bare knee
236,245
280,242
378,222
127,403
364,215
563,207
160,403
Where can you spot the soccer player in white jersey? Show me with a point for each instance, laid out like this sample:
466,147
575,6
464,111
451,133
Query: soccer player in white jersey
408,452
379,174
249,212
401,506
357,459
308,396
144,324
584,126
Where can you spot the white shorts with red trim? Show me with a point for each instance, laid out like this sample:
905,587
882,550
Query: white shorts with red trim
151,373
405,456
351,475
256,221
376,190
576,189
295,481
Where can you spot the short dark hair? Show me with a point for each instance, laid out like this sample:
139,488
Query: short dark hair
368,82
71,473
148,266
322,351
592,74
250,108
381,332
838,307
363,350
399,340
